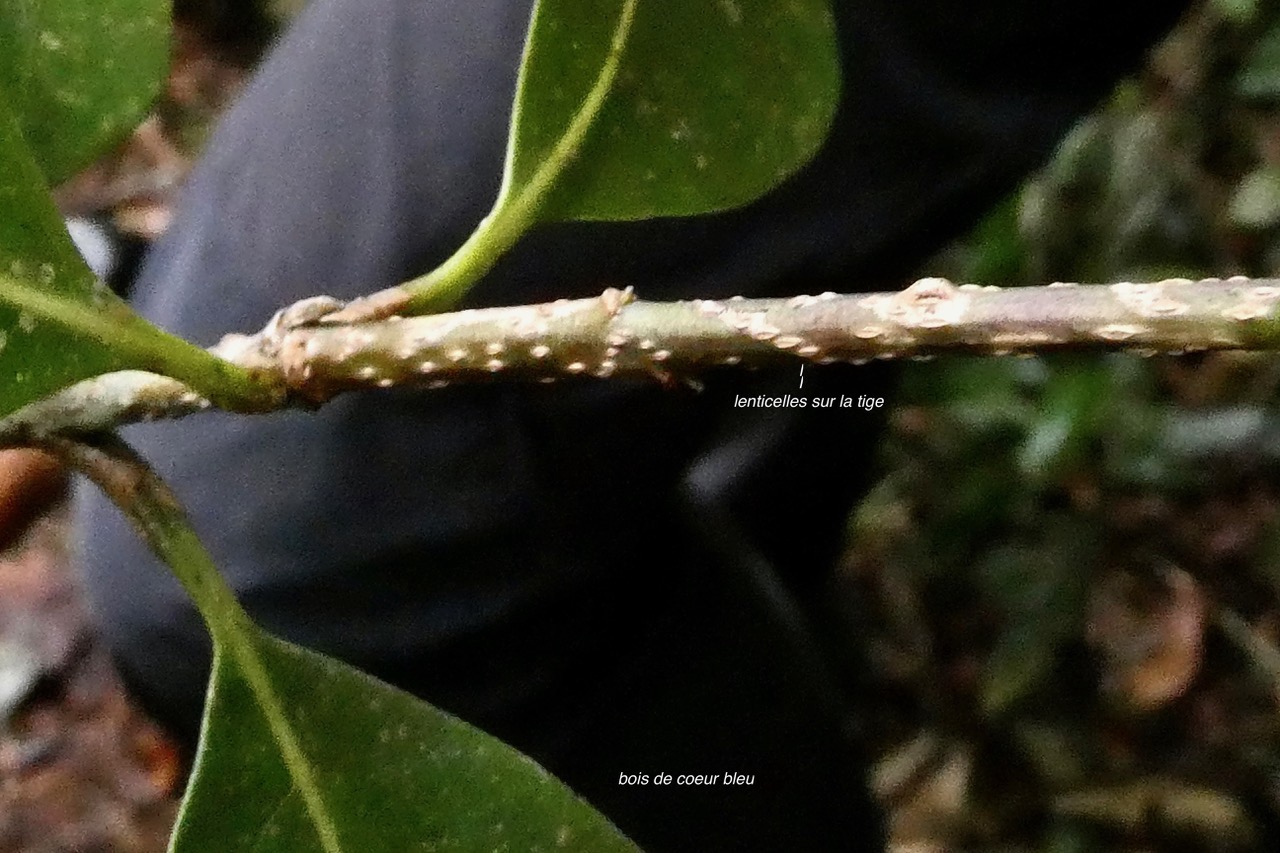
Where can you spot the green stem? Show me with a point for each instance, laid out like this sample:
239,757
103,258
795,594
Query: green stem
156,514
514,212
146,347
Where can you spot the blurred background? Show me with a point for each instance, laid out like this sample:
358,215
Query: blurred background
1067,574
1070,566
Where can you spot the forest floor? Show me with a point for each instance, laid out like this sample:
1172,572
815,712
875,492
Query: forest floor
81,769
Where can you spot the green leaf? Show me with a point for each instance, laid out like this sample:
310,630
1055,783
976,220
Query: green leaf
998,253
1236,11
1040,585
713,104
1260,77
310,754
38,265
74,77
1256,200
58,324
631,109
1021,662
1072,418
80,75
302,753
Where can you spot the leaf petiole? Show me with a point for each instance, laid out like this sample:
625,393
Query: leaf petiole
514,212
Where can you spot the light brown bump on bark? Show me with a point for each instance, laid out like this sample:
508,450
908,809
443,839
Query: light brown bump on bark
930,303
614,299
1015,339
1246,311
1119,331
929,289
1166,307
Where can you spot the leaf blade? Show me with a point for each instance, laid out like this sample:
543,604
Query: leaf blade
395,773
74,91
37,257
613,121
715,104
59,324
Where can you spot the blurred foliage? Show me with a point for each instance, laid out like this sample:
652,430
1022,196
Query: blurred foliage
1071,565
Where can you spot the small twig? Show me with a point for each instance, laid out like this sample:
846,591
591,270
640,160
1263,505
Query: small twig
155,513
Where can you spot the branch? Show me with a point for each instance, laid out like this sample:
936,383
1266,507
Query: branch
615,335
158,517
154,511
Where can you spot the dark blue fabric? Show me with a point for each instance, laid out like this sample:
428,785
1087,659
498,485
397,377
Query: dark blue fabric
589,570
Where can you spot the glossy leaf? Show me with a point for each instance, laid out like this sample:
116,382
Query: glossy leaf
370,769
713,104
39,263
80,75
75,77
631,109
301,753
58,323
